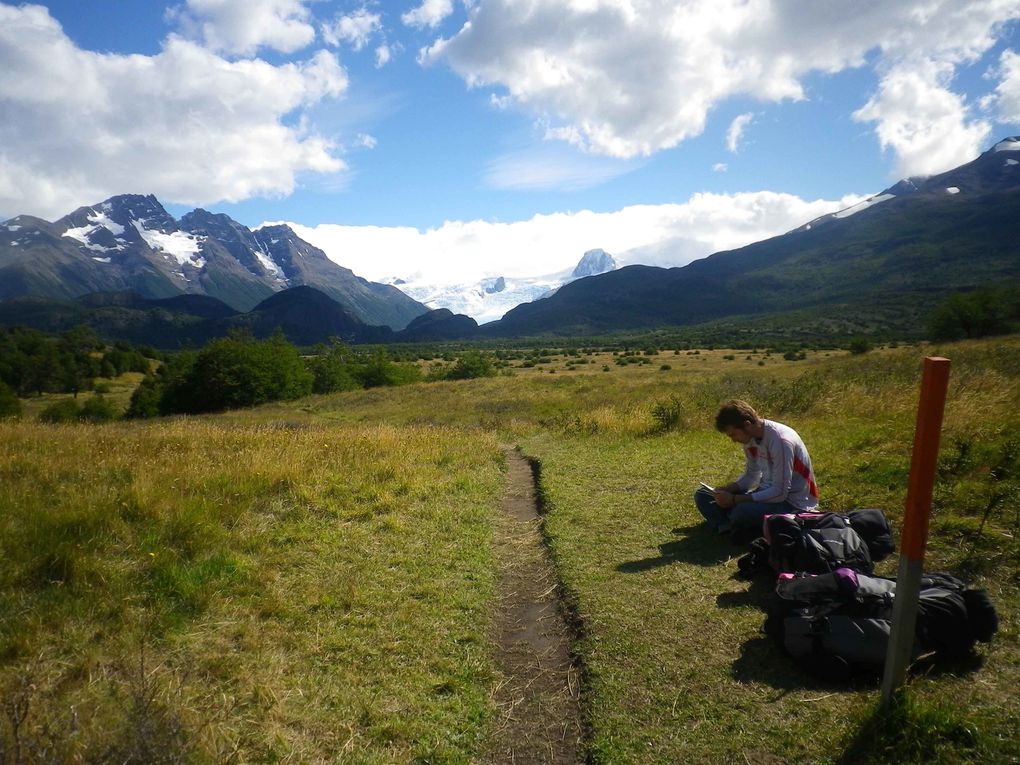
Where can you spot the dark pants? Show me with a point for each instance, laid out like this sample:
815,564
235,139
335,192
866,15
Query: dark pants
747,516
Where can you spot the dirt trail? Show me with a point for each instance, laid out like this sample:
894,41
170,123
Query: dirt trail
539,696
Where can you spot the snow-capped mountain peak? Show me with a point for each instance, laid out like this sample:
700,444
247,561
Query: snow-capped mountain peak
488,299
593,263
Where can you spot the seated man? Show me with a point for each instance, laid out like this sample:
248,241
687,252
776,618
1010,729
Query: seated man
777,475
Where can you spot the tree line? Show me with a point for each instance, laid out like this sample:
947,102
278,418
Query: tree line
983,312
239,371
33,363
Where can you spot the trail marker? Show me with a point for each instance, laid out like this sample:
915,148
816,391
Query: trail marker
934,384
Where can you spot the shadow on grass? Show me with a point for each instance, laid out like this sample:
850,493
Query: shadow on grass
762,661
759,592
911,730
699,545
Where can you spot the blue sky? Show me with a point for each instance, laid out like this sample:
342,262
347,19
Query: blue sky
448,140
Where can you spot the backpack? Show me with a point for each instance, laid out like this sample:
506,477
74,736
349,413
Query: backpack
839,622
815,543
820,542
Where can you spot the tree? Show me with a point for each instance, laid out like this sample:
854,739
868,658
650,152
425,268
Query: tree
332,369
986,311
229,373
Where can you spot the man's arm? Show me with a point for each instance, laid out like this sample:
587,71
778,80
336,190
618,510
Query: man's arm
739,490
782,474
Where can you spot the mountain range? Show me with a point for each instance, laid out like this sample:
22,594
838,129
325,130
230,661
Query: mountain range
896,254
131,243
902,249
489,299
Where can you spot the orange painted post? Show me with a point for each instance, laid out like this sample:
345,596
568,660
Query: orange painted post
934,385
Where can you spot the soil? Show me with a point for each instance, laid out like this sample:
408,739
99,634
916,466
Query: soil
538,697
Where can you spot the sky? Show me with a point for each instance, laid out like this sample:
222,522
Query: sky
443,141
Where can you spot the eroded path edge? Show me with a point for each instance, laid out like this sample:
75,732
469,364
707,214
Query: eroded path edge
539,696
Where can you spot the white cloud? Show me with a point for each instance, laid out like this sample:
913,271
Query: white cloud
459,252
243,26
720,167
736,131
552,168
1007,93
922,121
383,54
624,78
355,29
185,124
366,141
430,13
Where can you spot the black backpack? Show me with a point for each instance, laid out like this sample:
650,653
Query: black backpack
838,623
820,542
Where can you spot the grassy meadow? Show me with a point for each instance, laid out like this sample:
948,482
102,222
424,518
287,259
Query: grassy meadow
313,581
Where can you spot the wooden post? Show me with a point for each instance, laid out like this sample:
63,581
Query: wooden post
934,385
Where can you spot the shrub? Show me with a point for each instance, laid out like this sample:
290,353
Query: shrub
145,401
65,410
859,345
670,414
378,371
97,409
10,406
471,365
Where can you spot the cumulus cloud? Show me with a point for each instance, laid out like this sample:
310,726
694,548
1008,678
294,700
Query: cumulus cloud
185,124
736,131
720,167
243,26
628,79
355,29
1007,93
922,121
462,251
430,13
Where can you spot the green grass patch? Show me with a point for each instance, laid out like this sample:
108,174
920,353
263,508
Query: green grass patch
309,594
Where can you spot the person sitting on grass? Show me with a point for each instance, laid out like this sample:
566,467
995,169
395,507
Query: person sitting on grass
777,475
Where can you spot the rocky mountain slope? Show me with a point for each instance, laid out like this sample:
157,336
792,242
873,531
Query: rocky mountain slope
131,243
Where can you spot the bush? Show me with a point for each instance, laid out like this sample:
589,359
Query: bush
10,406
145,401
378,371
65,410
98,409
670,414
859,345
471,365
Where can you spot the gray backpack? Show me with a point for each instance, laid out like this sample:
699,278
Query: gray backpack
839,623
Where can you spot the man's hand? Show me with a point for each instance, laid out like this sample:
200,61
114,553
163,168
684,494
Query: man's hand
724,499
